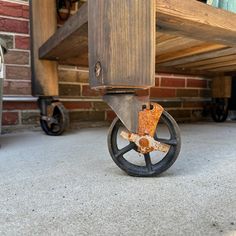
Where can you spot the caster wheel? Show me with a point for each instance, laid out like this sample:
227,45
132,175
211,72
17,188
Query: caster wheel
125,154
220,109
58,120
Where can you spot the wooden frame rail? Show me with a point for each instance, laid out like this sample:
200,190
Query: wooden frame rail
186,18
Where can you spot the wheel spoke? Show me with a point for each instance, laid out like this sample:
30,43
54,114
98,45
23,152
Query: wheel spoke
171,142
155,136
124,150
55,127
148,161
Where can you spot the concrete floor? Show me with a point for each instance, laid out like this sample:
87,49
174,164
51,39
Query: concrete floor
69,185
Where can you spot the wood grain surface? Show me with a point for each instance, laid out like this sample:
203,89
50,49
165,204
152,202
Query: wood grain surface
43,26
122,40
191,37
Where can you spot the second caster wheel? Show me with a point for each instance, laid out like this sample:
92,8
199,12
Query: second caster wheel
54,118
125,154
220,109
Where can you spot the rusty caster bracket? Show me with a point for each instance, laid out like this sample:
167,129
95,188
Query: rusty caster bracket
147,123
49,117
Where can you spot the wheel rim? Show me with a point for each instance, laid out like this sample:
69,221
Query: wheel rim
60,121
220,110
149,168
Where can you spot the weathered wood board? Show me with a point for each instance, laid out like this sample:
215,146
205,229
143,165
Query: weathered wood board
221,87
43,26
187,42
122,43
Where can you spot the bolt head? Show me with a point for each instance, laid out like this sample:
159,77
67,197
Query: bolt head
98,69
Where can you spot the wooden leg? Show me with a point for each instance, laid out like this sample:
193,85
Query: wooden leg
121,43
43,26
221,87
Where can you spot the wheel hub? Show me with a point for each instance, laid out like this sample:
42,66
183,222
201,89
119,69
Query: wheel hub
145,143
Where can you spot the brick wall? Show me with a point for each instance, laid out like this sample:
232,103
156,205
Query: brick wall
185,97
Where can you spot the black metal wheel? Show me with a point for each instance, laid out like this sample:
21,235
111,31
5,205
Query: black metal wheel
127,157
56,123
220,109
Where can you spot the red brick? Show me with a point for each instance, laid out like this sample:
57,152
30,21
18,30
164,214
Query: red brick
22,42
87,116
25,12
10,118
87,91
73,76
69,90
187,93
18,73
30,118
14,10
157,82
17,88
77,105
206,93
20,106
193,104
181,114
17,58
15,26
170,104
162,92
100,106
110,116
197,83
144,92
172,82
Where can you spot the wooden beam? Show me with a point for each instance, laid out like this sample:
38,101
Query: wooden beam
197,49
71,40
188,18
43,25
122,43
175,44
224,69
199,57
222,87
183,71
211,61
196,20
216,65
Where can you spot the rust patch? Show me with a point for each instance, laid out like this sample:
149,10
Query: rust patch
146,143
148,119
143,142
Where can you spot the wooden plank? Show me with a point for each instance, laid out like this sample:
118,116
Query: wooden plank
80,60
219,64
221,87
69,45
198,64
44,73
69,41
177,43
198,49
199,57
224,69
194,19
160,37
188,71
119,50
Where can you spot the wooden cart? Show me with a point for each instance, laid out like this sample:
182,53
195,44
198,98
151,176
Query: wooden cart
124,43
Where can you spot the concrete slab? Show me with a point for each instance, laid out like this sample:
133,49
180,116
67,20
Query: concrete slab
69,185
